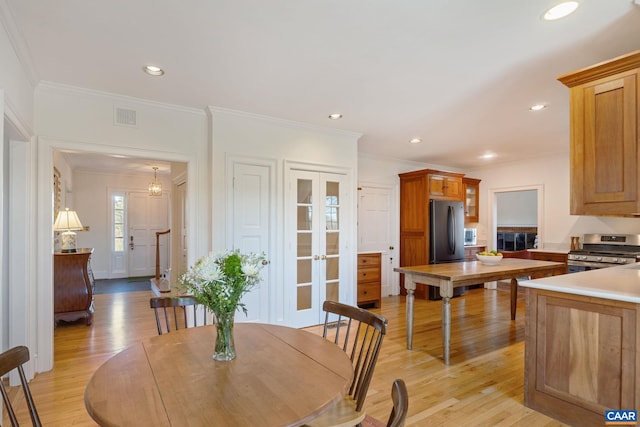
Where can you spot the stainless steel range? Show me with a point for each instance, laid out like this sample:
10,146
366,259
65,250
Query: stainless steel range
605,250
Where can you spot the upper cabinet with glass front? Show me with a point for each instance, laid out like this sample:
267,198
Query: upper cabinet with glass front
471,199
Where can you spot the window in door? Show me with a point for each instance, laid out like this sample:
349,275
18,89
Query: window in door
118,235
119,225
319,251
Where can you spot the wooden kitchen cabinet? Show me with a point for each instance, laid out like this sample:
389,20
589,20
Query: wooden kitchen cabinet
445,185
581,356
369,279
416,189
471,189
73,286
605,152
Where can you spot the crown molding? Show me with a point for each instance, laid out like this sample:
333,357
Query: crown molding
18,43
124,99
213,111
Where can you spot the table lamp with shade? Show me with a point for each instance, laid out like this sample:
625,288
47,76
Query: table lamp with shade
68,223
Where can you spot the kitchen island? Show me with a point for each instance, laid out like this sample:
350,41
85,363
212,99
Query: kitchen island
582,352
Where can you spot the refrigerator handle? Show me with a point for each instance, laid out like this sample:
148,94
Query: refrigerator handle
451,226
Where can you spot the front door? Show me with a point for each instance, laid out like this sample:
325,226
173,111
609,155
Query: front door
145,215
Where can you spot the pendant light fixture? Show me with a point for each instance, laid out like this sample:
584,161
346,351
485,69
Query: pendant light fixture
155,188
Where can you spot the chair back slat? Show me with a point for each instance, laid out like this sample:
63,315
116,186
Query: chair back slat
400,398
359,333
12,359
168,308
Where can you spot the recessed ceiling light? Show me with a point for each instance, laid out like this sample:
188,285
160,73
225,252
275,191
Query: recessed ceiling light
560,10
537,107
488,156
152,70
335,116
415,140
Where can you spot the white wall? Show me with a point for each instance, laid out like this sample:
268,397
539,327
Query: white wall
517,208
69,118
16,115
16,77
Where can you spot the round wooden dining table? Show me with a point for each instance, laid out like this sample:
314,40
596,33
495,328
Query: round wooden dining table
281,377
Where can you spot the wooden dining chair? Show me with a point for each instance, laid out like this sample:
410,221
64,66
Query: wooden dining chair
400,398
167,308
359,333
12,359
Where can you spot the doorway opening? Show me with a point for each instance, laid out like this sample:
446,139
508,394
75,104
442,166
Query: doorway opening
516,218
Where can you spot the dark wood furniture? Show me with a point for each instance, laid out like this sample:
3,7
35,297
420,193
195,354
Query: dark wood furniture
454,274
605,113
400,399
73,286
171,312
11,359
172,380
540,256
369,279
359,333
550,256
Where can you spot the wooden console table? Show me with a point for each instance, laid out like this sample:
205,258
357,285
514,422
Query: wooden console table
73,286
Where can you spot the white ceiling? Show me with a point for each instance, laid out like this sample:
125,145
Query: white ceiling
459,74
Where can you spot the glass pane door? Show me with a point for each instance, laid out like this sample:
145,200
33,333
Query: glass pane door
314,236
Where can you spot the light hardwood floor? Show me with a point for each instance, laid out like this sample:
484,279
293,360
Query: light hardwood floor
483,386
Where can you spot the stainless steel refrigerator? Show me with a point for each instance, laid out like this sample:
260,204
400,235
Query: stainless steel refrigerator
446,237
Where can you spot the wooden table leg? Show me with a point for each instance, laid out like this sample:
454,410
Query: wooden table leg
514,297
446,328
409,317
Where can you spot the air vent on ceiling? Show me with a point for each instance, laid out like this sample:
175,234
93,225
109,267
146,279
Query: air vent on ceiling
125,117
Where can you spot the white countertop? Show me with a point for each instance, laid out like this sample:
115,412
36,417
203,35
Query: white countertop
620,283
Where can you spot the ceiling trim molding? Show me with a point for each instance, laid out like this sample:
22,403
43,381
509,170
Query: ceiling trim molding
61,87
213,111
18,43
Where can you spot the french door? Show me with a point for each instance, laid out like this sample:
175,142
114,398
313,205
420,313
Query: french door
316,249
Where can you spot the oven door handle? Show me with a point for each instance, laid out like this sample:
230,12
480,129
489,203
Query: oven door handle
591,264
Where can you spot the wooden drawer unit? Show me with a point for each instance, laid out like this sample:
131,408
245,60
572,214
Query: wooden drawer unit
369,279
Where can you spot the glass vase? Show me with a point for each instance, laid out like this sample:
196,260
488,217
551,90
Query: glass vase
225,348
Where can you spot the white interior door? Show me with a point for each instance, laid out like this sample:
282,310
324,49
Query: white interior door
316,251
251,215
146,215
377,231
